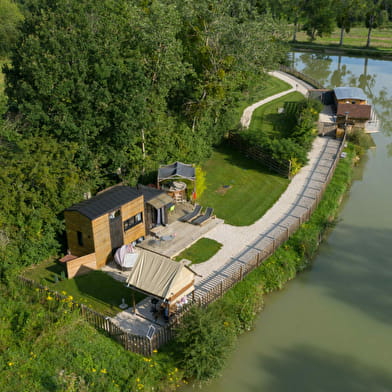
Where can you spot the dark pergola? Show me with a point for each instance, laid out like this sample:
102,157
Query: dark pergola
176,171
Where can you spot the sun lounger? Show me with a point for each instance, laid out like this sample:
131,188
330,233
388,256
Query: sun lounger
204,218
191,215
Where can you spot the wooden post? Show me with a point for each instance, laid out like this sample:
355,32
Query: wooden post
241,272
221,288
134,303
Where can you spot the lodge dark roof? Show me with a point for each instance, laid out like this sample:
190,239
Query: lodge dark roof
106,201
349,93
149,192
354,111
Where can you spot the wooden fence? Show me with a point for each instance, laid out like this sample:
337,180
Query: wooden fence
136,343
299,75
259,154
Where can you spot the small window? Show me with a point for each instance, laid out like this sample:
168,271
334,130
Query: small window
80,238
131,222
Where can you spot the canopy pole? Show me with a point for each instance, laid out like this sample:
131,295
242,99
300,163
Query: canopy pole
134,303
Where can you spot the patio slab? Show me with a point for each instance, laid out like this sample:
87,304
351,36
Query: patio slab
177,236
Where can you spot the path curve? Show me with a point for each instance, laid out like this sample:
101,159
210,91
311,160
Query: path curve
239,243
296,85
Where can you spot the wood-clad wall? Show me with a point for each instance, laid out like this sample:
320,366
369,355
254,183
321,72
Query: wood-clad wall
103,245
74,222
96,234
81,265
128,211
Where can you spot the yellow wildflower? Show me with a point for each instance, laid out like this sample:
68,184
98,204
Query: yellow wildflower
49,298
11,363
104,371
93,370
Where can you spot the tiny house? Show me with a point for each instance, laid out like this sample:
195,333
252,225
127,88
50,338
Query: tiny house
105,222
351,95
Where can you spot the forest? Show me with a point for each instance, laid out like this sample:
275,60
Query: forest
97,93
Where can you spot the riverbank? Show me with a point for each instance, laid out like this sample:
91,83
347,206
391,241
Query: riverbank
333,49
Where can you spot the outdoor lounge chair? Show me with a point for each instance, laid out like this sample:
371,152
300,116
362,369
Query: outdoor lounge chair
191,215
204,218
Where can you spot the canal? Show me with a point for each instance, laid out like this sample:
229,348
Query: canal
330,329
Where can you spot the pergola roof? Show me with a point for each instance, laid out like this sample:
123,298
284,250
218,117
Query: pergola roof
175,171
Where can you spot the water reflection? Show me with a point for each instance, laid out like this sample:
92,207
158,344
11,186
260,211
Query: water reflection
308,369
331,71
358,269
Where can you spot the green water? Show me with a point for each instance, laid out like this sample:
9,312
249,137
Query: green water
331,328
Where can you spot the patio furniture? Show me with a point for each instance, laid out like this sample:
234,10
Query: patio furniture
202,219
191,215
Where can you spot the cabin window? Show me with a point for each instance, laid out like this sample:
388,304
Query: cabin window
114,214
131,222
80,238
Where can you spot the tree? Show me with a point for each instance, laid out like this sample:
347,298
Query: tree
375,17
10,17
38,181
348,12
319,16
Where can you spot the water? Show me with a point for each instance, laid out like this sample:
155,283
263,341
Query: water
330,329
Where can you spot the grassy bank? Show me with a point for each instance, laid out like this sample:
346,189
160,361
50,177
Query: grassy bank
354,43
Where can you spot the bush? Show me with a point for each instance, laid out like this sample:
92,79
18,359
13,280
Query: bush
203,342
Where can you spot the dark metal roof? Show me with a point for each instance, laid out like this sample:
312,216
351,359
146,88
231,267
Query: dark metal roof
106,201
177,170
349,93
155,197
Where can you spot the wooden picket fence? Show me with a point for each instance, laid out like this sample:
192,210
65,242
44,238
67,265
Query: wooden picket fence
136,343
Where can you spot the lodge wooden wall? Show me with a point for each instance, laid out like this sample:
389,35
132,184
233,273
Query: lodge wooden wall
96,233
74,222
128,211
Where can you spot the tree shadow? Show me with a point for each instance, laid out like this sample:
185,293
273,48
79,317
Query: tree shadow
359,270
306,369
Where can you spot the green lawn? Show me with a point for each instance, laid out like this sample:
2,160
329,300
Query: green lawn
239,189
380,39
267,118
200,251
260,90
96,289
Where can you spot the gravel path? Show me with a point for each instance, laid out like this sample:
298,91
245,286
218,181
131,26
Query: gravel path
239,243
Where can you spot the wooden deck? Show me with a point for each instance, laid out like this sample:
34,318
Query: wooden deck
183,235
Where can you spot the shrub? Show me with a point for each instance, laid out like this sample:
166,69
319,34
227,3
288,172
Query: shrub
203,342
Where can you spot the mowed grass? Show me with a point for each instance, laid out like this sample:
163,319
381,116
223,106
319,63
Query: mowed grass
96,289
268,120
239,189
357,37
260,90
200,251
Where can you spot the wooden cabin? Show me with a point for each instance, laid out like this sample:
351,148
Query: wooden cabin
350,95
104,223
354,115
